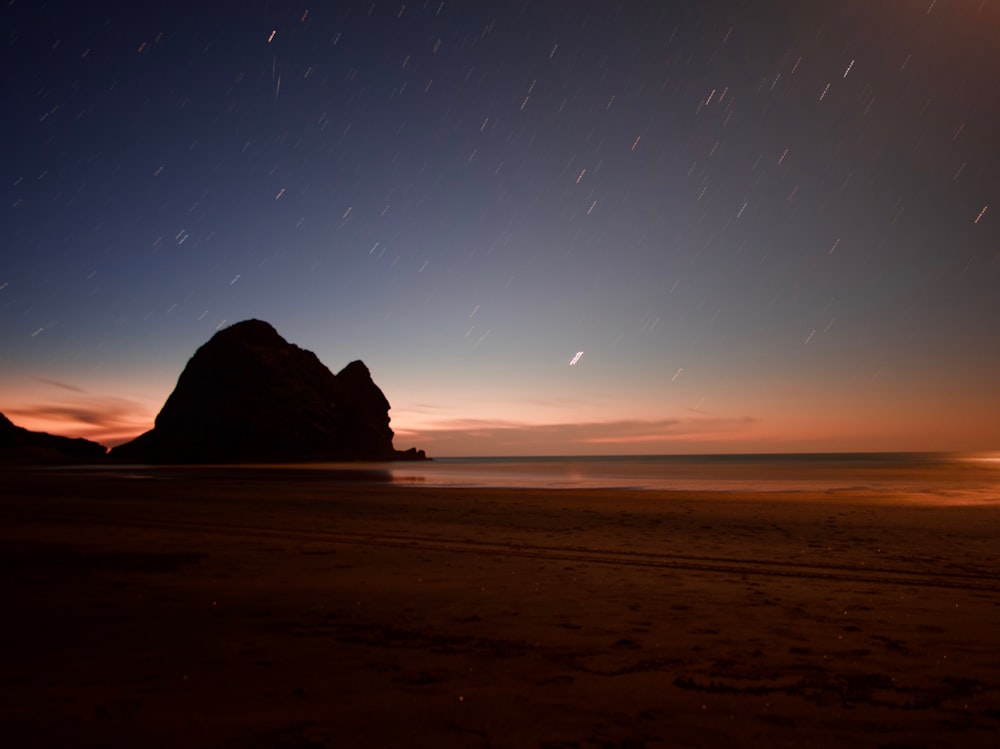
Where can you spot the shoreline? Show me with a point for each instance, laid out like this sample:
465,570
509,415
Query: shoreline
252,609
951,479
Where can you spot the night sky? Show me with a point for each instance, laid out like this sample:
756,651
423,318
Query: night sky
546,227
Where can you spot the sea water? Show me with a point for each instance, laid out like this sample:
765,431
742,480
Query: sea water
973,476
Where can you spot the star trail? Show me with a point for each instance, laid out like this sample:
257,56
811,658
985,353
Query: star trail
771,226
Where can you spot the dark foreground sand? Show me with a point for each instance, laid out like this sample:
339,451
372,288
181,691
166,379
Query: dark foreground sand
277,609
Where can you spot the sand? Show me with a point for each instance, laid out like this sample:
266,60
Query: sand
252,609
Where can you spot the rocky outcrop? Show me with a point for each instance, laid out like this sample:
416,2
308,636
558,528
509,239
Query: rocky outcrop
21,446
249,396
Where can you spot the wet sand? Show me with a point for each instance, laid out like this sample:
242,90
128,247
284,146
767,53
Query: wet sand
252,609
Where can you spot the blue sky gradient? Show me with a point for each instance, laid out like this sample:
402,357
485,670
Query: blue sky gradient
766,226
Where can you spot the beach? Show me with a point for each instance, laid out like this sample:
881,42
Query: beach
246,609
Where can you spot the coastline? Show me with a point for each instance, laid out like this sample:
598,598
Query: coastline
279,608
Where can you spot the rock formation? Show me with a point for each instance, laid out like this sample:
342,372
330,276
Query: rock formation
249,396
19,445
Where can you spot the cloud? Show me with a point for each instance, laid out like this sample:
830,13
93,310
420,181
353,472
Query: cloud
675,429
490,437
109,420
113,420
62,385
423,408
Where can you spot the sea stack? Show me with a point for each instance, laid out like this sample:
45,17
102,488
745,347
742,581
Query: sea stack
250,396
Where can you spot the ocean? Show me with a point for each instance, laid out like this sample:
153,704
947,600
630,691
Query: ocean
975,477
937,478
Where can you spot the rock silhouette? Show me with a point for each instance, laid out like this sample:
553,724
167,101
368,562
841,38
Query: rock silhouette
249,396
19,445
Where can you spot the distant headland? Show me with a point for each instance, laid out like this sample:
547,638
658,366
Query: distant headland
19,446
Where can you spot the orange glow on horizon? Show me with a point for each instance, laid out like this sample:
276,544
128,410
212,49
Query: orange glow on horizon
109,435
780,419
